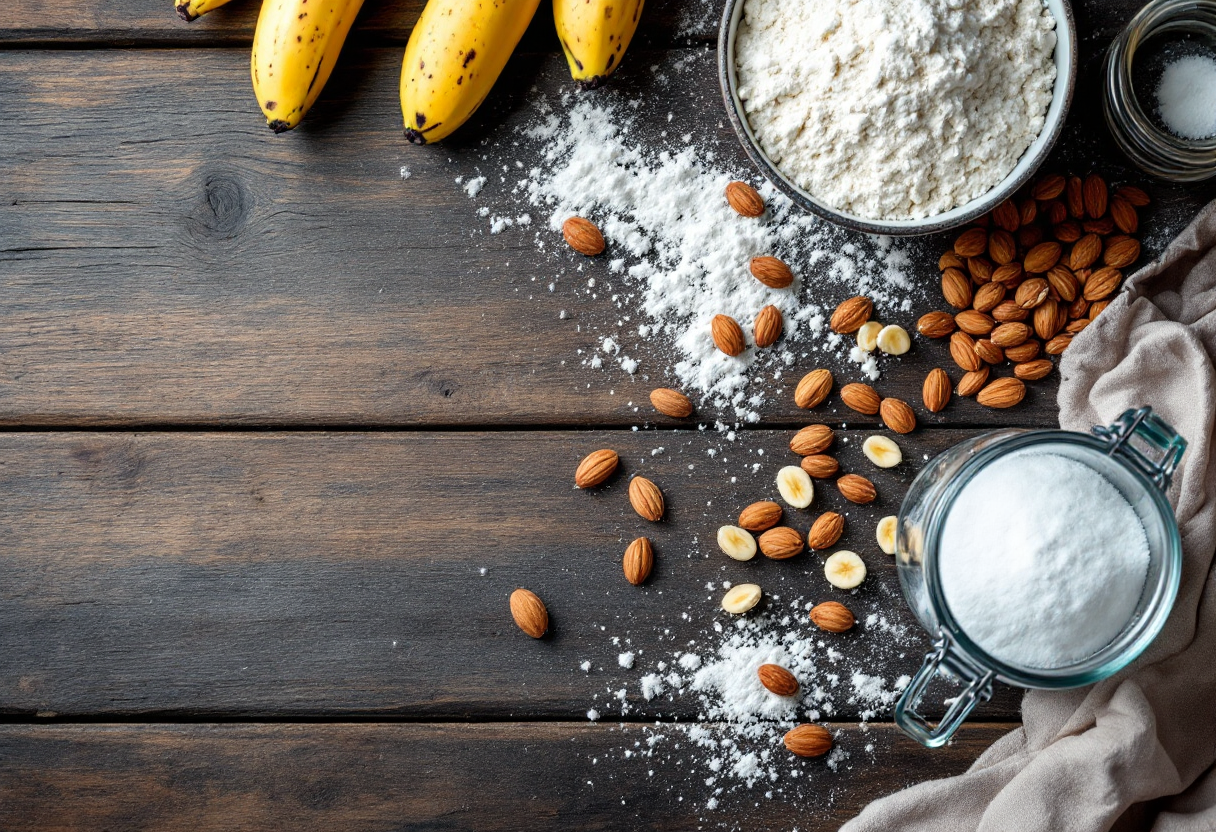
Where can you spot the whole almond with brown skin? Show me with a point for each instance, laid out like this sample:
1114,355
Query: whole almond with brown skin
1029,236
820,466
760,516
1006,216
974,323
1009,310
860,397
596,467
1048,187
744,199
1068,231
728,335
962,350
1009,275
971,242
1102,283
1056,212
1002,393
1085,252
989,352
646,499
529,612
1074,197
1064,282
833,617
988,296
1094,196
1078,308
1124,215
825,531
1002,247
897,415
950,260
772,272
1042,257
671,403
1047,319
583,236
972,383
1077,326
856,489
935,324
1082,276
768,326
980,269
1010,335
639,560
1027,211
780,543
1033,370
813,439
777,679
1058,344
813,388
1121,251
1024,352
1101,227
1097,308
1031,293
808,741
956,288
1134,195
936,390
851,314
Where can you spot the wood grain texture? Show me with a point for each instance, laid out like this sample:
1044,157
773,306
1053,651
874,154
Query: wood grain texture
376,778
330,575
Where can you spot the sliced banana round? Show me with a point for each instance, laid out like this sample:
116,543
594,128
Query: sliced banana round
741,598
882,451
795,486
844,570
886,533
893,340
737,543
867,336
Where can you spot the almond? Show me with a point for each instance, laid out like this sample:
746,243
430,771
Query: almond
808,741
1101,226
1027,211
935,324
1047,319
671,403
1004,392
768,326
1097,308
1075,197
1079,307
813,439
1077,326
1056,212
962,350
1008,310
646,499
1102,283
1133,195
971,242
744,199
949,260
1121,252
772,272
825,531
1057,345
1008,275
1063,281
1010,335
956,288
974,323
1006,216
936,390
860,397
1124,215
1023,352
777,679
728,335
1033,370
856,488
972,383
988,296
1029,236
851,314
596,467
1042,257
989,352
583,236
1031,293
760,516
1048,187
639,560
980,269
897,415
529,613
832,617
780,543
1094,196
820,466
1068,231
813,388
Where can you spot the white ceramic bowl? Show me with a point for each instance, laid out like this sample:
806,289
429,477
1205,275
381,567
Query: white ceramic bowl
1066,71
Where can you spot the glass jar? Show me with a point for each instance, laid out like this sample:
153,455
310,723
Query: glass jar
1158,28
1137,455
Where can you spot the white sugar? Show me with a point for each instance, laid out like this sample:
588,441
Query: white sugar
1186,97
1051,570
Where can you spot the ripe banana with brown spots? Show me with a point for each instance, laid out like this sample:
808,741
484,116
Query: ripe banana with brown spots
189,10
455,54
295,47
595,35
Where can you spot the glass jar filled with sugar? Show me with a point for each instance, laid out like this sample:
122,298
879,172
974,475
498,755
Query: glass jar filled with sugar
1044,559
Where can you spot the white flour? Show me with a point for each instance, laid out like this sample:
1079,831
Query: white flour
896,109
1052,571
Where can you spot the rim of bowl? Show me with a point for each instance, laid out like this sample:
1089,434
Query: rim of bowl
1062,92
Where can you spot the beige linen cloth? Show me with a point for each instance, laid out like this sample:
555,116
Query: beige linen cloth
1137,750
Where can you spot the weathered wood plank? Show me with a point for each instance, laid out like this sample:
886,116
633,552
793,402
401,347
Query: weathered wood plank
331,574
535,777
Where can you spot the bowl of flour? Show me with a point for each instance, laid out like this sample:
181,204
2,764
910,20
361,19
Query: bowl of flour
897,117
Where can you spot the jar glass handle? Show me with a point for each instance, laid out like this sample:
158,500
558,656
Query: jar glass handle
943,661
1147,442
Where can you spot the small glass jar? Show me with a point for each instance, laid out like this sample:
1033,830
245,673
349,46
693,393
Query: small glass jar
1137,455
1159,27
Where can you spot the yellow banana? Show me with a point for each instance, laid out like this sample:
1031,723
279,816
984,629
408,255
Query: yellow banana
454,56
189,10
295,47
595,35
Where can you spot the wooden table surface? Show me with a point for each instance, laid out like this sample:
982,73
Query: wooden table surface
281,434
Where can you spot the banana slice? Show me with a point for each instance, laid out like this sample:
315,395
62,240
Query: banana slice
882,451
741,598
736,542
795,486
893,340
844,570
867,336
886,534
